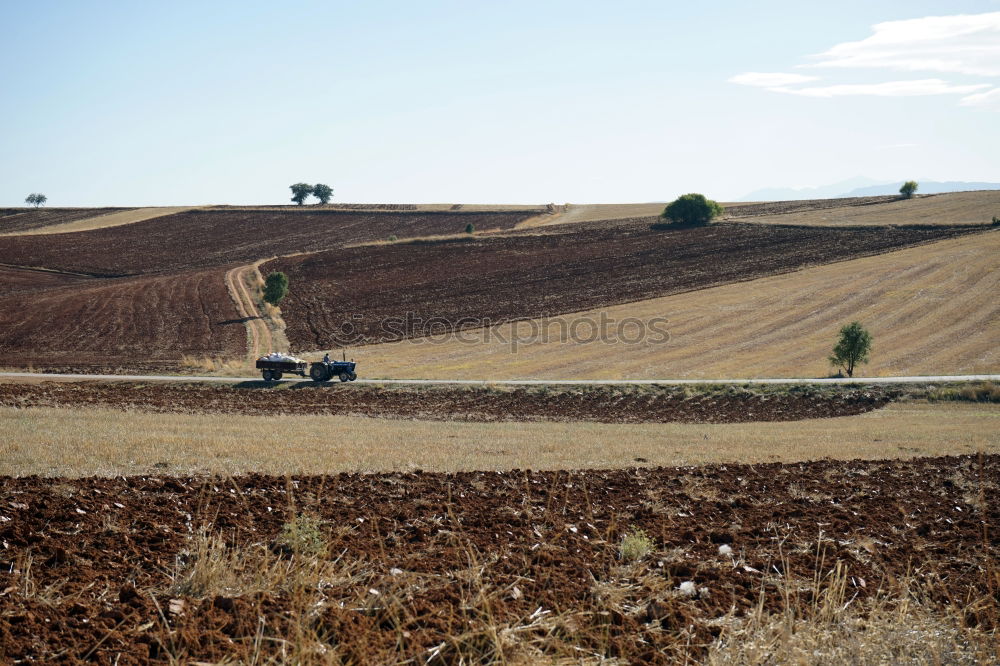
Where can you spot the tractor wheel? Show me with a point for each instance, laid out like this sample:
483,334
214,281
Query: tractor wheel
267,375
353,376
319,373
276,375
344,377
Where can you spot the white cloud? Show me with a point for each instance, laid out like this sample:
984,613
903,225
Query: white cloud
960,44
984,100
965,44
887,89
770,79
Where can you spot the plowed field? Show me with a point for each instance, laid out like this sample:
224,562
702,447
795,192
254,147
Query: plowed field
458,284
202,238
13,220
141,323
14,279
601,404
478,567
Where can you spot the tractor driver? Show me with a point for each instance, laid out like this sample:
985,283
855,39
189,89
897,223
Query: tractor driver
326,357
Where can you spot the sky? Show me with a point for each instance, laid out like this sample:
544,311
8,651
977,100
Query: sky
190,103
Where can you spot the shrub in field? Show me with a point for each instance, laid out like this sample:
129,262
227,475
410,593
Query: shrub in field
908,188
691,209
303,535
394,237
300,192
853,347
275,287
635,545
996,221
470,228
322,192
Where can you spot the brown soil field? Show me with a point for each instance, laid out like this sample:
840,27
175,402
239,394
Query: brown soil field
458,283
595,403
14,279
116,219
639,565
141,323
762,208
203,238
932,309
16,220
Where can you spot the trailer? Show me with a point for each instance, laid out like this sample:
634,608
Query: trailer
275,367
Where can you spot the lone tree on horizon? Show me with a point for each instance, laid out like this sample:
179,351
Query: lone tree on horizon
908,188
691,209
853,347
35,199
275,287
300,192
322,192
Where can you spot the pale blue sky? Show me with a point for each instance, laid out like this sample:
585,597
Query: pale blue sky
136,103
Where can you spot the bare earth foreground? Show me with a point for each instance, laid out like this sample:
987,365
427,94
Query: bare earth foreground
847,560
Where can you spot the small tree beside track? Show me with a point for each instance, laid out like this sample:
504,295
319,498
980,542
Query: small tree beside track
853,347
275,288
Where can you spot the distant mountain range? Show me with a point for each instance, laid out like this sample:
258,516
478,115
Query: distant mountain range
862,187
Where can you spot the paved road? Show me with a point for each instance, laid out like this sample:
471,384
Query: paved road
523,382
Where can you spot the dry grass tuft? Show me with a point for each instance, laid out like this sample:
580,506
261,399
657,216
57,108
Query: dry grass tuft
209,365
635,545
900,628
982,392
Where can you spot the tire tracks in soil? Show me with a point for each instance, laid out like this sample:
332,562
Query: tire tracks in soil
256,326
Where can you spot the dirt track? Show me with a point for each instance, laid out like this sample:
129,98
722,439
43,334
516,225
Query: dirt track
601,404
424,566
458,283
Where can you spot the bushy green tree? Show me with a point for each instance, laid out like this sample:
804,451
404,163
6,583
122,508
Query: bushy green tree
35,199
300,192
275,287
323,192
470,228
908,188
853,347
692,209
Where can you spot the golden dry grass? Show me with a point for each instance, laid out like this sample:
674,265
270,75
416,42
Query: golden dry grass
110,220
91,441
952,208
571,213
932,309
